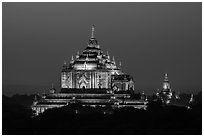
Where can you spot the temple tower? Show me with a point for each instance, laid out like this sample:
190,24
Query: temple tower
166,84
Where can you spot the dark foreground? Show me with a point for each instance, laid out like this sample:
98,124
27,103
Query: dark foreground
156,120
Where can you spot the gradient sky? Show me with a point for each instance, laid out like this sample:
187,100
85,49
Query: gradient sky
149,38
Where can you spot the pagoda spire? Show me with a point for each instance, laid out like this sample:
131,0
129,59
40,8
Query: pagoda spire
52,90
108,55
92,31
85,65
77,56
166,84
64,67
114,61
166,77
72,59
65,63
191,99
120,64
87,57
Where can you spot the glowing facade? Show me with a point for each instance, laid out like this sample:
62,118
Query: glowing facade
94,70
166,84
166,94
91,79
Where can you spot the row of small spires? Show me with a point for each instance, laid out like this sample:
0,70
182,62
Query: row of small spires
72,59
93,36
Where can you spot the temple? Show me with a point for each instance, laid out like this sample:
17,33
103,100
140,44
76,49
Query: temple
94,70
171,98
91,78
166,94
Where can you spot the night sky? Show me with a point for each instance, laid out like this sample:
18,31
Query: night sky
148,38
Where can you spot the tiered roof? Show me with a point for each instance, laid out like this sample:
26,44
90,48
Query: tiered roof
92,58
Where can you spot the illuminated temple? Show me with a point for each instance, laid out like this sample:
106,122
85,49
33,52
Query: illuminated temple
91,78
166,94
94,70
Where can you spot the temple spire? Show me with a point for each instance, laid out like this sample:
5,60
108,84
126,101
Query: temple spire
166,84
114,61
85,65
120,64
166,77
64,67
77,56
92,31
87,57
72,59
108,55
52,90
65,62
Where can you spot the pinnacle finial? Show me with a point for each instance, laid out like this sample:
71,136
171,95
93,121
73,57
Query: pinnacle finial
85,65
87,57
113,58
108,55
92,31
166,76
72,60
120,64
65,62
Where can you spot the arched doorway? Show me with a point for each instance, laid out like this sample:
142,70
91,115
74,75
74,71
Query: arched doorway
83,86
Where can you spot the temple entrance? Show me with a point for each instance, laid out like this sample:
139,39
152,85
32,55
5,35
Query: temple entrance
83,88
